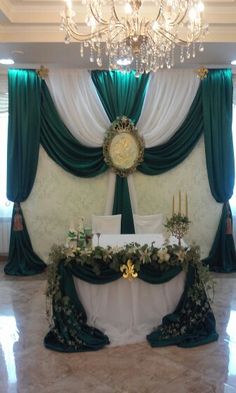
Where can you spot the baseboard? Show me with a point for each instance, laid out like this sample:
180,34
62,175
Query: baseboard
3,257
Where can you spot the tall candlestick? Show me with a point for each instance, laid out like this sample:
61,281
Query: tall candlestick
179,202
173,205
186,204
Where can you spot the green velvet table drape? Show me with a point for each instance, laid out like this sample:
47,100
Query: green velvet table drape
22,159
191,324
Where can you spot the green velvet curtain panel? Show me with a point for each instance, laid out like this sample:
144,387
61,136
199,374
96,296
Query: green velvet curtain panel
217,90
121,95
191,324
22,260
122,205
24,89
62,147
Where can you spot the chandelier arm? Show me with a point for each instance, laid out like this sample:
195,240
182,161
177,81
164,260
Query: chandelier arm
158,15
166,34
182,41
86,37
115,13
178,21
97,17
112,39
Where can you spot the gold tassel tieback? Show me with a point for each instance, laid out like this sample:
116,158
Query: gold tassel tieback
18,222
228,229
228,226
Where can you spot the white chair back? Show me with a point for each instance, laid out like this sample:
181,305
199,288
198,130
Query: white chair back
148,224
106,224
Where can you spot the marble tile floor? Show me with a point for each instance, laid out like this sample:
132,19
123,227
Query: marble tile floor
27,367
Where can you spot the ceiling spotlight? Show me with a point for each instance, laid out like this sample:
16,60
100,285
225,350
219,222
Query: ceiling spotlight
7,61
233,62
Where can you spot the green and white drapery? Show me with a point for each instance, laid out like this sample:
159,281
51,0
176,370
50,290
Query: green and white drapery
79,150
163,111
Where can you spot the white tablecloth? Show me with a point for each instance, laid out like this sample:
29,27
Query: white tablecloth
129,310
121,240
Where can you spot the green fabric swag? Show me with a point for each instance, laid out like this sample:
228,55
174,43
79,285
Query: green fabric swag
22,159
62,147
191,324
217,90
159,159
121,95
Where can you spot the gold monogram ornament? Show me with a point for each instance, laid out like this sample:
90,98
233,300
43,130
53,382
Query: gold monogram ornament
123,148
128,270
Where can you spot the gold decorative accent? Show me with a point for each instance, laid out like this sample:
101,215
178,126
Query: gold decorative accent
42,72
202,72
123,148
128,270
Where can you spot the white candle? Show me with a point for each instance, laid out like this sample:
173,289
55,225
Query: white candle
186,204
179,202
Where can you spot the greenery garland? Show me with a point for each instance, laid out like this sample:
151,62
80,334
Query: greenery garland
115,258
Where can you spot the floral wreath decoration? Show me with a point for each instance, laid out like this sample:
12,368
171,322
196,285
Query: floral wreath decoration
123,148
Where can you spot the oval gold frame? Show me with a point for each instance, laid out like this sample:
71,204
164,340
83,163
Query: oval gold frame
123,148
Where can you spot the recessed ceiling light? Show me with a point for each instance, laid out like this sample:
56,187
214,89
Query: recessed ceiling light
233,62
7,61
18,52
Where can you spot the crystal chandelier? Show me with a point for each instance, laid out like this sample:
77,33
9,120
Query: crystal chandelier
137,34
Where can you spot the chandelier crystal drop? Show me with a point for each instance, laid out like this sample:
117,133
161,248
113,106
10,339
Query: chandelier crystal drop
136,34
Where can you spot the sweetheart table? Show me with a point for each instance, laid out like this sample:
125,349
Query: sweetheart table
163,299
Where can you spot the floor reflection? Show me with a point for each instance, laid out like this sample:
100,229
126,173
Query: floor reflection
27,367
8,336
231,331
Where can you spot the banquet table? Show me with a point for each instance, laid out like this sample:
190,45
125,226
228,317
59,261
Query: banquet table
127,310
91,309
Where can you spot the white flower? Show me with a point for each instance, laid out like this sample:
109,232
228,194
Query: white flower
163,255
69,252
181,255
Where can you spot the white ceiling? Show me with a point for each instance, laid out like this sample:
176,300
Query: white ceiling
29,32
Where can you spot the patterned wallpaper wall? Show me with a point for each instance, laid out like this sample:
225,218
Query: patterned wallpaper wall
59,198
